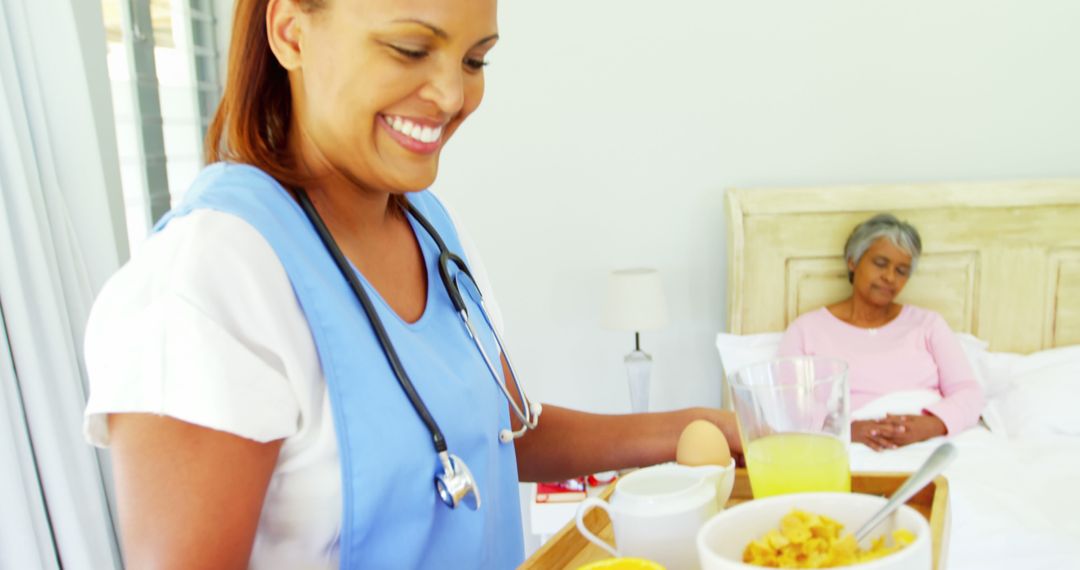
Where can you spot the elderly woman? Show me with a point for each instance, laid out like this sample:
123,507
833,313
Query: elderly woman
890,347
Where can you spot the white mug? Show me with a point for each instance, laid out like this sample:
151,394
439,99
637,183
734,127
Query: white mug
657,511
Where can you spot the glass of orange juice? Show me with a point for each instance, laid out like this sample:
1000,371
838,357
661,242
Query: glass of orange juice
795,425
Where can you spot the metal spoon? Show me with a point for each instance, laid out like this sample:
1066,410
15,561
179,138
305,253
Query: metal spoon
931,468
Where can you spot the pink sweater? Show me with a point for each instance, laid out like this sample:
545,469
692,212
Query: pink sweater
916,350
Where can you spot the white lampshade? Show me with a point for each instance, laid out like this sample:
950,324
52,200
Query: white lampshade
635,301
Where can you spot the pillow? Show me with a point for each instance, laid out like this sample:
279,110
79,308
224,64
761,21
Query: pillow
1042,398
993,370
737,350
992,373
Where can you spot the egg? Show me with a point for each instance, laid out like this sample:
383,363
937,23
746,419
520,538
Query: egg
702,443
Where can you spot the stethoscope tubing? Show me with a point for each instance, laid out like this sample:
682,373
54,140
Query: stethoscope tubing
527,413
528,416
400,374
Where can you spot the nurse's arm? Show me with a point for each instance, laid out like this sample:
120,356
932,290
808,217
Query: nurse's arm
188,496
568,443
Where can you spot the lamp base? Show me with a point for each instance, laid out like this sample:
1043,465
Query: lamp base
638,368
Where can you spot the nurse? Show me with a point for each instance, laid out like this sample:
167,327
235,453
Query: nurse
255,418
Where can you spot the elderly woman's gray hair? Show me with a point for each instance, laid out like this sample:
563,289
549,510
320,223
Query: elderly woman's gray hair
902,234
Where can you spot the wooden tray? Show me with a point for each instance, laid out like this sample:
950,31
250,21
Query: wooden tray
568,549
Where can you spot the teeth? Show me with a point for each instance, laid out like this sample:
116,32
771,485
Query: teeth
417,132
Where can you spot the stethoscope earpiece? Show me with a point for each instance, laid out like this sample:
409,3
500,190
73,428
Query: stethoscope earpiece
507,436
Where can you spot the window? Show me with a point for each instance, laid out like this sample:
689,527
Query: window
63,233
163,69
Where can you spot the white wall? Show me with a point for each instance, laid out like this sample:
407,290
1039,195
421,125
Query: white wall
611,129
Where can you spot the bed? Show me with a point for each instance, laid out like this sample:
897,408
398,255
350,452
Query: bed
1001,263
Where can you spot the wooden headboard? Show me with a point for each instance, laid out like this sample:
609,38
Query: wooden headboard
1000,260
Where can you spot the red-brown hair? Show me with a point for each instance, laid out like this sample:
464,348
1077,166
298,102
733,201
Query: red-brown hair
251,124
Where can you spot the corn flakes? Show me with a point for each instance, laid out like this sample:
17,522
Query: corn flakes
806,540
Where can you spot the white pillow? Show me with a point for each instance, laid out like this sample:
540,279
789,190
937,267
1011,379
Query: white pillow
992,372
738,350
1044,393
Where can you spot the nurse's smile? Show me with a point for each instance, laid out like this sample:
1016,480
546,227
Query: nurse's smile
422,136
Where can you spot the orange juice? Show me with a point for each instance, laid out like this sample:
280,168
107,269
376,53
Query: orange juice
796,463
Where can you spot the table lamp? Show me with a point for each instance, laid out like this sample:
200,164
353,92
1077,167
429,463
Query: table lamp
635,302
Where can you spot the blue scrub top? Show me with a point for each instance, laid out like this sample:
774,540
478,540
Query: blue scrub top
392,517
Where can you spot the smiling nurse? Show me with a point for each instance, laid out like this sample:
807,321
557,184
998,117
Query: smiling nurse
282,373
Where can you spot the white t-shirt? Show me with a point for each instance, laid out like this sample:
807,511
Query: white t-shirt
203,326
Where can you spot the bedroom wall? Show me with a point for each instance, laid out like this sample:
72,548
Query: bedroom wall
610,130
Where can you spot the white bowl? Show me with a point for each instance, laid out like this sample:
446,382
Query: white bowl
722,539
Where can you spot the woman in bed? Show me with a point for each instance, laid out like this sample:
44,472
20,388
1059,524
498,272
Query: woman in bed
890,347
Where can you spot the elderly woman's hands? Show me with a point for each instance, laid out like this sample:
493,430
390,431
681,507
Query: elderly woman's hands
913,429
872,433
892,431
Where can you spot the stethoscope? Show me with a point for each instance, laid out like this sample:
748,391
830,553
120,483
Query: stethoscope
456,483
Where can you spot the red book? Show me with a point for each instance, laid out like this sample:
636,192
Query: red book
561,491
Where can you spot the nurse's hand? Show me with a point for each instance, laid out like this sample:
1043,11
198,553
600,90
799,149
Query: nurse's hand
188,496
569,443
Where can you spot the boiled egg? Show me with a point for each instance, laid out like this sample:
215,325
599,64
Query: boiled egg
702,443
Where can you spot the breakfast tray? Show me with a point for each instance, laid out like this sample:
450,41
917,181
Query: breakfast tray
568,549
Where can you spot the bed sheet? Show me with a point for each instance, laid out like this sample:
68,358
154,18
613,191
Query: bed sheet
1015,502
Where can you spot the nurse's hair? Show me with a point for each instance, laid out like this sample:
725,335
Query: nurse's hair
251,123
902,234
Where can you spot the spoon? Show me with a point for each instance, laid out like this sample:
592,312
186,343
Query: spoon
931,468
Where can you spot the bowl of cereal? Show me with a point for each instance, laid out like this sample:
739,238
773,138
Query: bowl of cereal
813,530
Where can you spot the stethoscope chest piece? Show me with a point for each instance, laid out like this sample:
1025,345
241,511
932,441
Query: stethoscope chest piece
456,484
